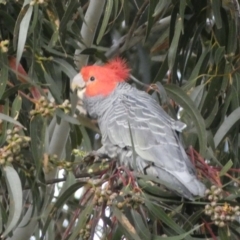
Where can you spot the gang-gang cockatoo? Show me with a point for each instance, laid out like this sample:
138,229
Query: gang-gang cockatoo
134,128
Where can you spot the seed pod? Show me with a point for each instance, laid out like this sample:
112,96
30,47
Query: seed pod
213,204
46,112
16,129
10,159
41,110
213,187
2,161
88,226
9,132
221,224
219,190
222,217
237,213
228,218
208,212
33,112
216,223
120,205
210,197
42,99
207,191
207,206
9,138
236,208
215,198
217,209
112,197
51,105
100,200
109,192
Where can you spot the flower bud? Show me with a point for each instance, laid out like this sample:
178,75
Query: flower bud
221,224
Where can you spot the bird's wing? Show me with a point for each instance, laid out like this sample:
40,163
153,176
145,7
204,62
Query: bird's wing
137,118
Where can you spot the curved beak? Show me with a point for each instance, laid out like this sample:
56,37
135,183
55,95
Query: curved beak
78,85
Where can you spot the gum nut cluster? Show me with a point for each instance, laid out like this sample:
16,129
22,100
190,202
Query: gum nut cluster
85,232
221,215
46,108
131,199
15,142
53,162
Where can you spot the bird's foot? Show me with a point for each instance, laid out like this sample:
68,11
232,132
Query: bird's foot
95,156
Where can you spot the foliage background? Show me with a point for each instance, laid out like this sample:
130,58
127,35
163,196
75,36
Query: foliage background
187,50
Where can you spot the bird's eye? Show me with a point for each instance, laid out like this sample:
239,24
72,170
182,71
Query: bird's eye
92,78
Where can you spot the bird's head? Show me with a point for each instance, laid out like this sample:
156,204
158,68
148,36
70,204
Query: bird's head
100,80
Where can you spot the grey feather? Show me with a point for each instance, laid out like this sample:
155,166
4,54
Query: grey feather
159,151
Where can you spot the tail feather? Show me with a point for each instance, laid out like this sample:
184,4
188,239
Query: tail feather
184,183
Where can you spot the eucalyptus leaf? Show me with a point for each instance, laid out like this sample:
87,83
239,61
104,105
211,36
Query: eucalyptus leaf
14,187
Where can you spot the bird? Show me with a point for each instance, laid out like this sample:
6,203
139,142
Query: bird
134,127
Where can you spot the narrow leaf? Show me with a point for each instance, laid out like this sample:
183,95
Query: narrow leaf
184,100
107,13
226,167
216,5
11,120
226,126
24,25
3,73
152,5
128,227
14,187
179,237
172,52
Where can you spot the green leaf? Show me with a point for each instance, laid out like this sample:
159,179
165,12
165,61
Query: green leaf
53,87
14,187
226,167
37,134
172,52
216,5
162,71
182,11
11,91
179,237
23,31
107,13
60,113
160,214
140,226
228,123
82,219
184,101
16,107
11,120
224,233
69,182
219,54
71,8
59,203
152,5
66,67
129,230
3,73
194,75
161,6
